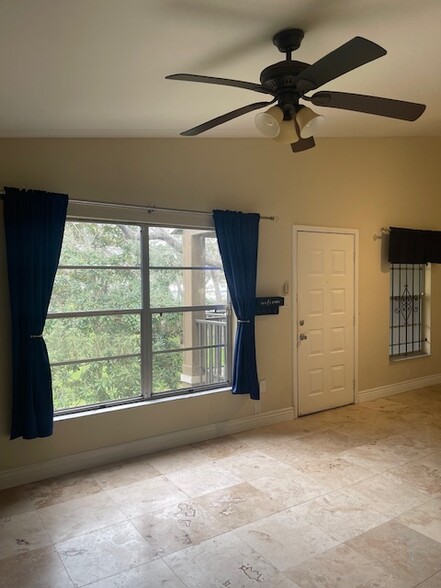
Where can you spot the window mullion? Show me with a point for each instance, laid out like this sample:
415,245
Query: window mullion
146,318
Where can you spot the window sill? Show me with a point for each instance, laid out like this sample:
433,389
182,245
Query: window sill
393,359
138,404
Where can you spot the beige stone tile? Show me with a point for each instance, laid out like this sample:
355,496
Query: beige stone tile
375,456
62,489
104,553
176,527
425,519
179,458
432,582
342,567
434,459
377,429
223,447
422,415
402,551
124,473
410,446
265,438
302,426
225,561
329,441
388,406
359,416
15,501
292,454
426,407
69,519
155,574
40,568
20,533
387,494
336,416
434,388
279,434
429,434
284,540
147,496
418,396
334,472
281,581
423,474
291,489
203,479
253,464
298,464
339,515
238,505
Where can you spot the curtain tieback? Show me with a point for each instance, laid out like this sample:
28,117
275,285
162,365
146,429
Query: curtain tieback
35,336
239,321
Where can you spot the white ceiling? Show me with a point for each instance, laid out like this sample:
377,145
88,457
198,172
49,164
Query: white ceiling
96,68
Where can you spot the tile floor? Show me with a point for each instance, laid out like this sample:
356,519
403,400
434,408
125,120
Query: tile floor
348,498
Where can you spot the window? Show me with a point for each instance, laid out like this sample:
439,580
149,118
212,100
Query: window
138,312
409,310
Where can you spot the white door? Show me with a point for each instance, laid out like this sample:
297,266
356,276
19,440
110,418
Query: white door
325,320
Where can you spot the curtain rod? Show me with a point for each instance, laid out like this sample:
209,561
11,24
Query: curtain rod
150,209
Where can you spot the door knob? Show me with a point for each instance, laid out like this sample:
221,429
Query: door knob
303,336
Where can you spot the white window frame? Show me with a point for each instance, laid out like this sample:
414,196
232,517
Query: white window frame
143,219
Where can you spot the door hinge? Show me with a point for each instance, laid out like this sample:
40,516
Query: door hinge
353,385
353,320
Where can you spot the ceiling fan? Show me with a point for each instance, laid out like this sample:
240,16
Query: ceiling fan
288,81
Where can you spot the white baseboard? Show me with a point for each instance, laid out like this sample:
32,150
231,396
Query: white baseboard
96,457
391,389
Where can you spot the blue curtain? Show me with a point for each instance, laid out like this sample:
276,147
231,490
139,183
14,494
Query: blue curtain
34,227
237,235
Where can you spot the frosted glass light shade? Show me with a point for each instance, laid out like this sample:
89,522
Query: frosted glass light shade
287,132
308,122
268,123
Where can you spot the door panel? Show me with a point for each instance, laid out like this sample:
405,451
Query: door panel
325,302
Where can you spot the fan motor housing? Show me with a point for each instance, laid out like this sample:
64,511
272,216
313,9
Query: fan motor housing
281,76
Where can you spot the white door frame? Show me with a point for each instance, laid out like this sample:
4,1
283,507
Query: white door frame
306,228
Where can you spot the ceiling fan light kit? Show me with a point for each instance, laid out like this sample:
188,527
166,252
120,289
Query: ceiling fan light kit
288,133
272,124
268,123
289,81
309,122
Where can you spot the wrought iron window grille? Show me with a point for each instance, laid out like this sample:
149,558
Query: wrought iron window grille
406,309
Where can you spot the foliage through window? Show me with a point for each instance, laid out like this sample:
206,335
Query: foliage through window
137,312
408,310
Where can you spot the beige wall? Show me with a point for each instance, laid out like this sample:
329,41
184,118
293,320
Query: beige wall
363,184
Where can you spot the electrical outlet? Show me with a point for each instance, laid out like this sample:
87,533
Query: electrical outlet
257,407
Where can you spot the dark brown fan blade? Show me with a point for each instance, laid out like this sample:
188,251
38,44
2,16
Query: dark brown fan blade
303,145
370,105
219,81
225,118
349,56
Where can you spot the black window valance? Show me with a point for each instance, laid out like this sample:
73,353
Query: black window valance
414,246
